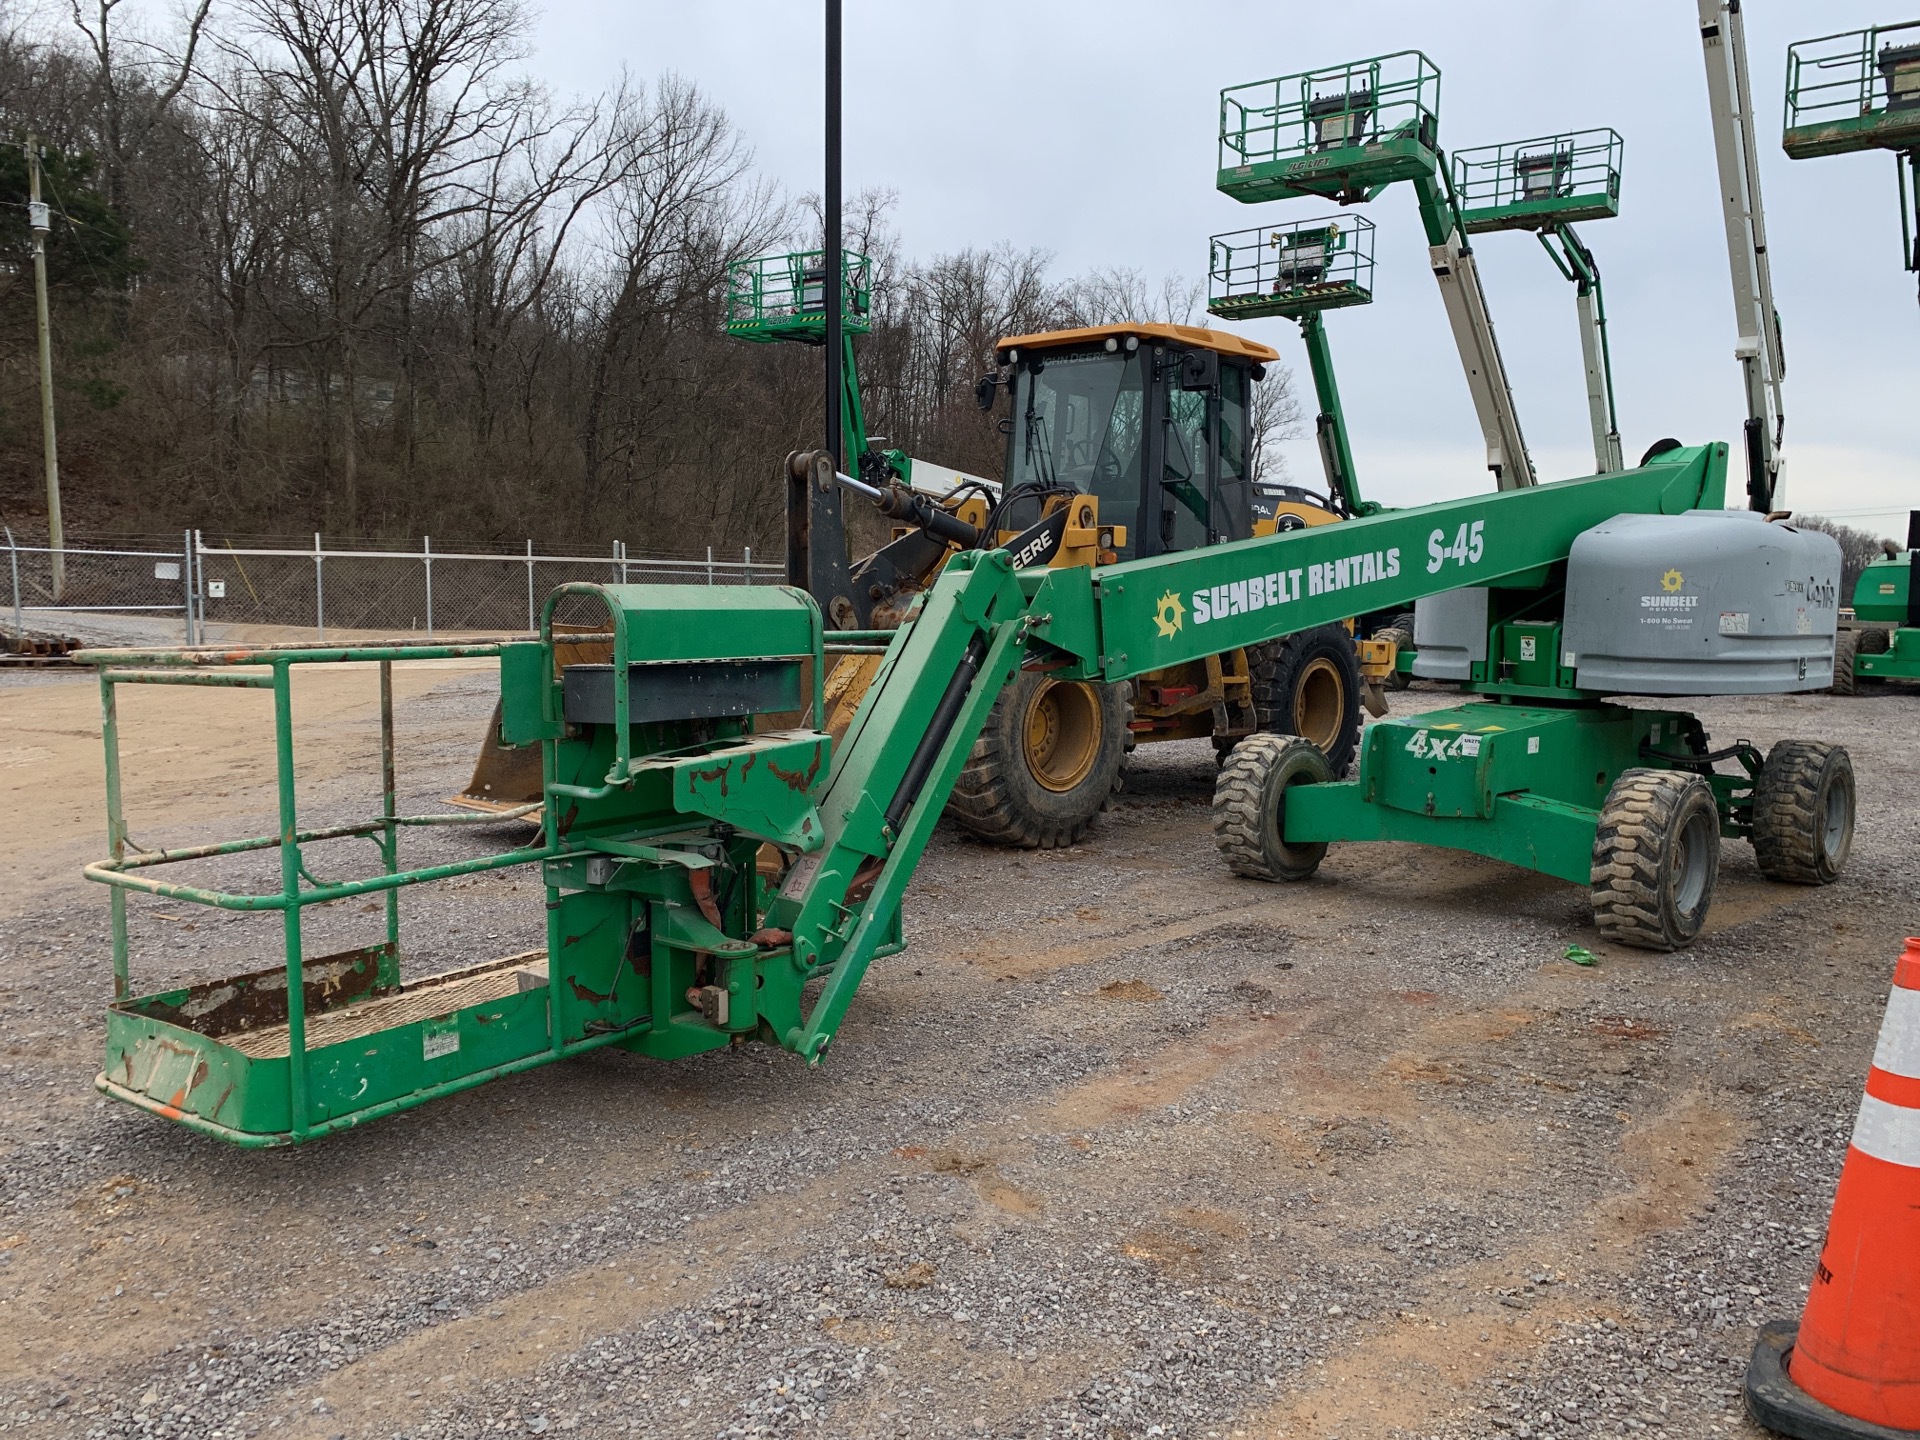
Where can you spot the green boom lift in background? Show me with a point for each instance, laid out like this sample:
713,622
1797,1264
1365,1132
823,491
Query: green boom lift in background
1850,92
1546,185
1346,133
1299,272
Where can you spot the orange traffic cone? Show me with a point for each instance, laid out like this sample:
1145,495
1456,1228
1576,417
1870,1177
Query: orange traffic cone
1851,1369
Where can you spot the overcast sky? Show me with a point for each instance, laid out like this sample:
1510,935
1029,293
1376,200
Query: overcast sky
1088,129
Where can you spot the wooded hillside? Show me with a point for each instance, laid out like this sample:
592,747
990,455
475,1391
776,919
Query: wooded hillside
340,264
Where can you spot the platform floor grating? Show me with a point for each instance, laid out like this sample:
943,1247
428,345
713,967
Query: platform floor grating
420,1000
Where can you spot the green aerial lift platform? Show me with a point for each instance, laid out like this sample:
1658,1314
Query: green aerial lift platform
1299,272
773,298
1346,133
665,771
1860,90
1547,185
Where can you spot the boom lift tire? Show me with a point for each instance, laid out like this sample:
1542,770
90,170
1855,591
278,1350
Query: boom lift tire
1874,641
1656,856
1803,812
1843,648
1399,630
1048,761
1308,684
1250,806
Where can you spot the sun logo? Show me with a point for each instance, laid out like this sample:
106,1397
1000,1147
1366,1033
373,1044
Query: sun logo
1169,616
1672,581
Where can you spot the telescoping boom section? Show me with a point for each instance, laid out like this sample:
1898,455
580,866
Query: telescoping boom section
675,775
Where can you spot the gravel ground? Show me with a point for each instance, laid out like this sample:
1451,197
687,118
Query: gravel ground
1122,1146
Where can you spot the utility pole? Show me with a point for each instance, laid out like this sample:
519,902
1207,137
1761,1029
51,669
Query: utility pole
833,287
38,218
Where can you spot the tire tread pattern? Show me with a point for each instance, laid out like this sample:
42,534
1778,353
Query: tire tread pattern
1239,808
1844,643
1629,851
1788,823
986,805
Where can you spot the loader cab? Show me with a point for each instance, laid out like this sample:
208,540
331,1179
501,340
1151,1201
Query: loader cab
1154,421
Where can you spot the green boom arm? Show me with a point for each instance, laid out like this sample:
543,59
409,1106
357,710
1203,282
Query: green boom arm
983,620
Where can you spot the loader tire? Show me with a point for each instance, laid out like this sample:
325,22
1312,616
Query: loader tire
1843,648
1656,857
1250,806
1399,630
1871,642
1803,812
1309,685
1048,761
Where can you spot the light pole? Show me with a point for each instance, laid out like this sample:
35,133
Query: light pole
834,289
38,219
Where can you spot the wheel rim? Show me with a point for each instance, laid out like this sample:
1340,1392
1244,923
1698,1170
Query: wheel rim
1833,821
1693,860
1062,734
1320,702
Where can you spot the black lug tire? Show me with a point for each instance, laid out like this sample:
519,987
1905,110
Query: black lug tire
998,799
1843,649
1315,658
1399,630
1803,803
1249,806
1656,858
1871,642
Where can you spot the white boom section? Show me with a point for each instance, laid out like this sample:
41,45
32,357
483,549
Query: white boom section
1762,361
1606,439
1466,302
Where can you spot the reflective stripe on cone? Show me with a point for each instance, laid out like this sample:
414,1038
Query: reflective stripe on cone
1858,1349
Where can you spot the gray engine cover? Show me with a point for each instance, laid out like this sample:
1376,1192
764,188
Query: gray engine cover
1711,602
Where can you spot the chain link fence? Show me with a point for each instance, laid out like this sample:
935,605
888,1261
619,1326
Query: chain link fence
191,589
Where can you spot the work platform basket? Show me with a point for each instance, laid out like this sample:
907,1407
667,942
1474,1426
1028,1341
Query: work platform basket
1855,91
1539,183
1292,270
784,297
1337,133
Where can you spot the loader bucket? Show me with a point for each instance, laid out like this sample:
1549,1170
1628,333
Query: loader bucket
508,777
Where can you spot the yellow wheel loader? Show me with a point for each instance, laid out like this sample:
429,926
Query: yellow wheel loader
1123,442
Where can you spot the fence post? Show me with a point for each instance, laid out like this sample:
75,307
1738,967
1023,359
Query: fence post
426,554
186,585
623,560
319,592
709,564
746,564
532,620
13,557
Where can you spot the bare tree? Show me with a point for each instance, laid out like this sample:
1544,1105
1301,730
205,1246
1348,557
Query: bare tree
120,132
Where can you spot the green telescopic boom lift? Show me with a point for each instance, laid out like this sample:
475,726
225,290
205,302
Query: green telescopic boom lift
1847,93
1299,272
1346,133
1546,185
666,771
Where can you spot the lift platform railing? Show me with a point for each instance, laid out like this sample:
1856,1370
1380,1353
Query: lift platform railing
783,297
303,981
1539,183
1326,131
1291,270
1859,90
